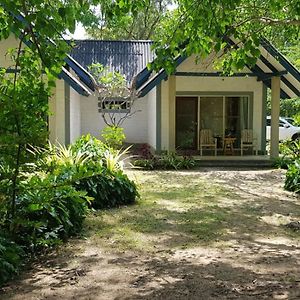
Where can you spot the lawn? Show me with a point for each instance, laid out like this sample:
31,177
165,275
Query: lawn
209,234
180,210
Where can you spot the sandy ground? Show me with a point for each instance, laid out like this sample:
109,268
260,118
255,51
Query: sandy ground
255,257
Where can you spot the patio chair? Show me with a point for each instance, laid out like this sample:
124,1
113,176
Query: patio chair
207,141
248,140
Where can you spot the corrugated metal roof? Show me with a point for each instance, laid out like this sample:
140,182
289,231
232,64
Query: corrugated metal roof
126,57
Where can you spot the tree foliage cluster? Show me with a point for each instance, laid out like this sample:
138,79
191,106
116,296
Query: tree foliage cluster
288,108
116,96
39,203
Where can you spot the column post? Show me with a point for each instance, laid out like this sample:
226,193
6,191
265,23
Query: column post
172,111
275,109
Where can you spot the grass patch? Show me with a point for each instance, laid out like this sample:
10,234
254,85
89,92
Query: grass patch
179,210
174,211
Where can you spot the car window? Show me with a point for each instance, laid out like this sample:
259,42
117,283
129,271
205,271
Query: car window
291,121
281,124
268,122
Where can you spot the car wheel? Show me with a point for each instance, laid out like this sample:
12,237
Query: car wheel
296,137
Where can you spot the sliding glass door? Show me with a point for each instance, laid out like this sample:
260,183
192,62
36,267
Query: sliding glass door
225,116
186,123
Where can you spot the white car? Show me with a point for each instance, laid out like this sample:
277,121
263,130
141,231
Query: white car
287,131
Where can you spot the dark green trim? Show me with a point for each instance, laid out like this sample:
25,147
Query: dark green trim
257,70
67,113
221,93
279,57
220,74
158,117
264,117
161,75
283,79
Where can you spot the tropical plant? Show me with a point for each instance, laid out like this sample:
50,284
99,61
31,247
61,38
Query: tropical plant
91,147
10,259
145,152
108,185
109,189
50,210
114,160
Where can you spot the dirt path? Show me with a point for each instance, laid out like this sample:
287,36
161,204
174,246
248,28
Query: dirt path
209,234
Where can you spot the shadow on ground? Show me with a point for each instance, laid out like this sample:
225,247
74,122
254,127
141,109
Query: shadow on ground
193,235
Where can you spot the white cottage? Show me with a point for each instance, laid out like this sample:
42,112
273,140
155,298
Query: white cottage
180,111
174,110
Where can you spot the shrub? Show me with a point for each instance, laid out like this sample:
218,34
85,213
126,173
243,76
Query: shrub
297,119
292,180
289,150
108,185
54,197
113,136
147,164
109,189
145,151
167,161
10,259
50,209
99,154
90,146
282,162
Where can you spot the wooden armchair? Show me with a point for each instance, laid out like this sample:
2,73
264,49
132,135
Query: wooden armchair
207,141
248,140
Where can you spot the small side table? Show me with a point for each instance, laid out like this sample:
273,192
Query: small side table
228,145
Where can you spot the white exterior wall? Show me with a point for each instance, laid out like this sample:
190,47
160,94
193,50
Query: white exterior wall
75,115
151,108
57,114
135,127
10,42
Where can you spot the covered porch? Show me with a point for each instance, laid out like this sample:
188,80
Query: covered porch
227,108
231,109
223,122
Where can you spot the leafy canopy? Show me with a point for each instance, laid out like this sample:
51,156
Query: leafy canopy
141,26
202,26
53,19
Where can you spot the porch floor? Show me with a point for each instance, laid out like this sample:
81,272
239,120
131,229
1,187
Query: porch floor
247,161
233,157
